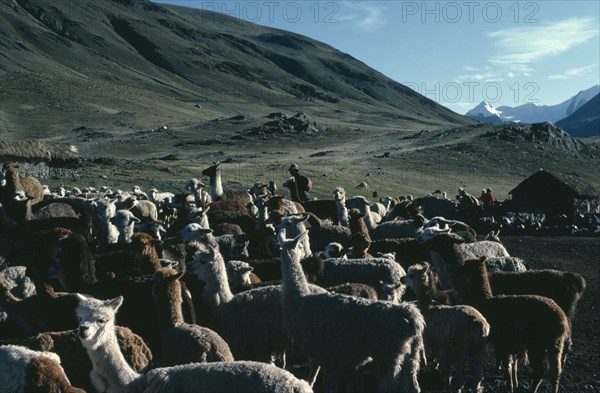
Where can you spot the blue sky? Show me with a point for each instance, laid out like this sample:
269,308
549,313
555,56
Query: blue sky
458,53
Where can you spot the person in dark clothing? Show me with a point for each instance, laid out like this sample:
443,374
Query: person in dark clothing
303,182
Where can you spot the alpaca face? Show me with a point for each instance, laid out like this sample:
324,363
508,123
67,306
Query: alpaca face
415,273
96,319
339,194
211,170
204,264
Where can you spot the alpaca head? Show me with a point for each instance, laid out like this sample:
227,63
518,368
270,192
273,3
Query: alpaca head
96,319
472,281
416,275
360,242
293,223
193,232
212,170
290,247
166,281
390,292
207,264
339,194
238,272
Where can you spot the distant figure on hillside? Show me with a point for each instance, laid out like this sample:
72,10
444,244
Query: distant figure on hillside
487,199
303,182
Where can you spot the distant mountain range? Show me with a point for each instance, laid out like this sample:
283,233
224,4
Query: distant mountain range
533,113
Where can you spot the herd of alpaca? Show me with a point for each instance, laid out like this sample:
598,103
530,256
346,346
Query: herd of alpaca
247,291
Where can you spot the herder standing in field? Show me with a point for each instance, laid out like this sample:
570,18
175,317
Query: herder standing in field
303,182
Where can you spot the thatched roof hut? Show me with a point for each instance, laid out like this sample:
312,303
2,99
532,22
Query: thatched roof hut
54,154
554,193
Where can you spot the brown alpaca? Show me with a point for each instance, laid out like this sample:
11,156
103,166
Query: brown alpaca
357,223
32,186
182,343
521,325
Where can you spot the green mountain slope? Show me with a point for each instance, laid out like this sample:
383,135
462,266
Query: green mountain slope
134,63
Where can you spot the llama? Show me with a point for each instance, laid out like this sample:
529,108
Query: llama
183,343
112,374
216,187
520,325
339,332
24,370
454,335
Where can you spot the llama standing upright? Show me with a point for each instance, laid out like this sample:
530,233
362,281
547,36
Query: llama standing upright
338,332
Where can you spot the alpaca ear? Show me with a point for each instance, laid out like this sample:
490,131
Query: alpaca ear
281,236
303,217
115,303
178,276
80,297
426,267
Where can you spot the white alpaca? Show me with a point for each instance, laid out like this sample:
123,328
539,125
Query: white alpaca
339,333
111,373
339,196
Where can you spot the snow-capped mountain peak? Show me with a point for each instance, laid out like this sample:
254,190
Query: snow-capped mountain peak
484,109
533,112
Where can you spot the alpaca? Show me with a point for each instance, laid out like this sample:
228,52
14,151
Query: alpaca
321,233
357,223
144,210
520,325
454,335
137,258
257,310
14,279
339,332
12,182
216,187
74,359
124,221
201,197
112,374
294,225
323,208
391,229
183,343
103,211
24,370
339,196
